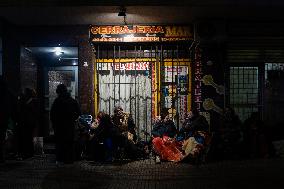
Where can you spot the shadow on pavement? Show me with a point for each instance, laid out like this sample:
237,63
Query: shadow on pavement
74,177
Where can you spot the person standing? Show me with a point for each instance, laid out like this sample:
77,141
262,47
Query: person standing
28,120
7,106
64,113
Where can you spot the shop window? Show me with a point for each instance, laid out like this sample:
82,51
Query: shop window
143,80
274,93
66,75
244,90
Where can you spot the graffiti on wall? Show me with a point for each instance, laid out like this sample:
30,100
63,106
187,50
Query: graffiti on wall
209,104
198,80
208,80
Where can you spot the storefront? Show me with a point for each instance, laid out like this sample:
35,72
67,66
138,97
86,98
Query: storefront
254,62
143,69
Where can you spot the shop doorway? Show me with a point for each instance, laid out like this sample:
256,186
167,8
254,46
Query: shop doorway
143,80
274,94
42,69
67,75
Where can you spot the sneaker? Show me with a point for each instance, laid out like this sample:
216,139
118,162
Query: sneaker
157,159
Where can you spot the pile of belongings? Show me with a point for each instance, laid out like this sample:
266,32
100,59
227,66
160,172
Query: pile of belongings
170,149
190,142
84,125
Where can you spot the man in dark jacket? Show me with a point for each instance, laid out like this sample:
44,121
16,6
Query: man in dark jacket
64,112
193,122
7,106
164,126
27,122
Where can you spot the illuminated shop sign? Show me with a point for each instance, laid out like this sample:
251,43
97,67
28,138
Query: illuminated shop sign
139,66
139,33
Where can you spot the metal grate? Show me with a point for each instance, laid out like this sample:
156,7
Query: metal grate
244,90
143,80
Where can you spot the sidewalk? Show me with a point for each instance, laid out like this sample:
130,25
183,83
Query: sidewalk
41,173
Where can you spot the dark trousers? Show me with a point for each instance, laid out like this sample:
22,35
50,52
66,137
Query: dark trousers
64,151
25,141
2,143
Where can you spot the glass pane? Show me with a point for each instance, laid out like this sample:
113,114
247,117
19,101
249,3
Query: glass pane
57,77
244,91
274,94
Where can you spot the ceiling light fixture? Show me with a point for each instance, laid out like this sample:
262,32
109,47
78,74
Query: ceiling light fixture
122,12
58,51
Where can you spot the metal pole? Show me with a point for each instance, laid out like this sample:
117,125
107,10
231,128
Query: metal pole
173,84
135,75
178,88
114,76
119,73
159,80
98,76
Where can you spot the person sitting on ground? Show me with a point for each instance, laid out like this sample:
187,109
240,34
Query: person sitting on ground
124,124
193,134
256,137
193,123
125,136
164,126
103,134
232,135
164,143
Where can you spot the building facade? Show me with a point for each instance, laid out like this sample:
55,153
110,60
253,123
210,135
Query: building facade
213,64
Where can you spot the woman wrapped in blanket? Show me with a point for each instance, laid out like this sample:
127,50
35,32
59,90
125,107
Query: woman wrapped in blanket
193,134
193,123
164,143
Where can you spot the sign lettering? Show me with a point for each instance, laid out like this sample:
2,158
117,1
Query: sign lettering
140,33
197,80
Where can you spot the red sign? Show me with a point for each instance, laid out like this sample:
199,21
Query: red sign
138,66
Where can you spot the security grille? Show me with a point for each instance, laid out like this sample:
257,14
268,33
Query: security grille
244,90
143,80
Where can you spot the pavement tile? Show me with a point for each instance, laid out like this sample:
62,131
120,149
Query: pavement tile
41,173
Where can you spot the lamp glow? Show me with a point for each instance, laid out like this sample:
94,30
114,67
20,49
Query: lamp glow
58,51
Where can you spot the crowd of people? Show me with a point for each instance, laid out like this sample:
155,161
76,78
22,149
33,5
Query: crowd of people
177,145
19,122
236,139
110,137
114,137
